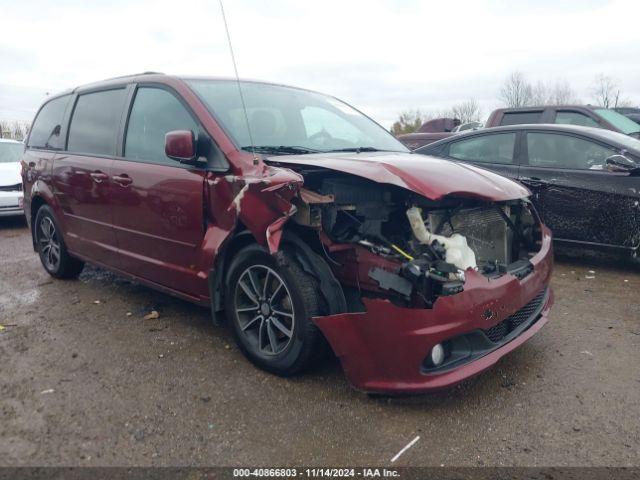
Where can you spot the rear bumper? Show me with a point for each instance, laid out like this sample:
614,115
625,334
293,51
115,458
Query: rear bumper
383,349
11,204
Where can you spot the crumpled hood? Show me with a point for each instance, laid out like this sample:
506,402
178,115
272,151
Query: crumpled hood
10,174
428,176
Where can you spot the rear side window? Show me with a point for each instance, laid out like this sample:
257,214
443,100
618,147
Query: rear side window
519,118
564,151
155,112
95,122
45,132
575,118
485,149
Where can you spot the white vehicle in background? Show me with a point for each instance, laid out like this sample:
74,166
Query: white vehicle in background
11,200
468,126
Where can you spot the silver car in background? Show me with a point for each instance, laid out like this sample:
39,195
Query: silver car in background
11,200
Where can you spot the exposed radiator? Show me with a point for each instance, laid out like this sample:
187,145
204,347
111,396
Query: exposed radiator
486,232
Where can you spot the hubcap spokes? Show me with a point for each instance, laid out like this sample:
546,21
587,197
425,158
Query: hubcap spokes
264,309
49,243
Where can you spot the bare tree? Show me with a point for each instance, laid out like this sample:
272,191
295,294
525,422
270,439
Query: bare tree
467,111
18,130
516,91
408,122
561,93
606,92
5,129
539,94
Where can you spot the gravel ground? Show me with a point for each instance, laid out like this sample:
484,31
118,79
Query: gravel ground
86,380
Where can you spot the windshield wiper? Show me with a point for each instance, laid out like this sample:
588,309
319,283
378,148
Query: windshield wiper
280,150
357,149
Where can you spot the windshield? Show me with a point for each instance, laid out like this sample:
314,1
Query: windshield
10,152
297,120
622,123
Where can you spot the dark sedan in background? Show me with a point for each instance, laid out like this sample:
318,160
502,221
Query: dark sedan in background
585,181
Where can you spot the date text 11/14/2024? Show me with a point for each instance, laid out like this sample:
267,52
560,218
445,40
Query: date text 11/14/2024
315,472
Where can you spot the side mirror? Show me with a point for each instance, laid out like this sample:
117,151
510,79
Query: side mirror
620,163
180,145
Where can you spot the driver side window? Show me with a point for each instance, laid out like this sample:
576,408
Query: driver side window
154,113
565,151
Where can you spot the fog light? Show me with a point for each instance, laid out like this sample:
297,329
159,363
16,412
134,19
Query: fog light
437,355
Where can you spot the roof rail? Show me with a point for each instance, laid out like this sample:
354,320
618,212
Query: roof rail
132,75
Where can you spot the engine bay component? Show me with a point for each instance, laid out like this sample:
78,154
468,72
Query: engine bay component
391,281
485,230
417,249
457,250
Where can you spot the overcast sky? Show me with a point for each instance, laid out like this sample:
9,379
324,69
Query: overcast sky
382,56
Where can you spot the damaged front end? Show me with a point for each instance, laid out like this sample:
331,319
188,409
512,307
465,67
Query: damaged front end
436,290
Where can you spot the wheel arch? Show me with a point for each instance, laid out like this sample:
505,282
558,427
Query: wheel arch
216,278
37,202
296,241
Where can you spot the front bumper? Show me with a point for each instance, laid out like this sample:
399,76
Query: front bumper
383,349
11,203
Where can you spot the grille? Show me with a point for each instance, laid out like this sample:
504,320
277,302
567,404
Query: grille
497,332
11,188
509,324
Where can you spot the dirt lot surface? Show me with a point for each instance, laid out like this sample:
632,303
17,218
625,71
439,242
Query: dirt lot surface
85,380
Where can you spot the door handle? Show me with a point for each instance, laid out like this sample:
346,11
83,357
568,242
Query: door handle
123,180
534,181
99,176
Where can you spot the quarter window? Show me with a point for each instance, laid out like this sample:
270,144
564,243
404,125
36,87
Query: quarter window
45,132
565,151
154,113
95,122
486,148
575,118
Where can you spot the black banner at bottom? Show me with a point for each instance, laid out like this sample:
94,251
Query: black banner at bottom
405,473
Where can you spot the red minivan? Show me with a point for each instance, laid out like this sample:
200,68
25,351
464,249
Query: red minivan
295,218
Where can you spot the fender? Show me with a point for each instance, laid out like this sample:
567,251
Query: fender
256,208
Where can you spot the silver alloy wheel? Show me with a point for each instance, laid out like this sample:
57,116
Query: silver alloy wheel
264,310
49,244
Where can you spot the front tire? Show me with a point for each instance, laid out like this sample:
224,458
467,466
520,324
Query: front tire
269,304
50,246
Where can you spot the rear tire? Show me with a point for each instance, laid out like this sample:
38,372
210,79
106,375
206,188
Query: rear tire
269,304
54,255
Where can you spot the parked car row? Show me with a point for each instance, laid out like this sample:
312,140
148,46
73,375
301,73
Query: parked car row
296,219
585,181
586,116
